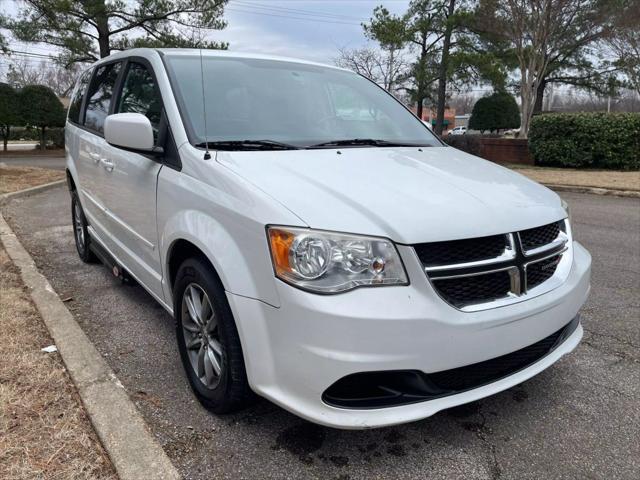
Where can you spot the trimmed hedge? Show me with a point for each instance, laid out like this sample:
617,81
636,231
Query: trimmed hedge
586,140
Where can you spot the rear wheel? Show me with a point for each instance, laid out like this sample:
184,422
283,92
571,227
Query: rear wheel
80,232
208,339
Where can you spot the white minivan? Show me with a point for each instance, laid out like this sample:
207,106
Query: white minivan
316,244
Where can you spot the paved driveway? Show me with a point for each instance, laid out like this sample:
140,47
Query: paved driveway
579,419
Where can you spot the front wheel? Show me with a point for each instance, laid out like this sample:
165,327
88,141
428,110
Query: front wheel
80,232
208,339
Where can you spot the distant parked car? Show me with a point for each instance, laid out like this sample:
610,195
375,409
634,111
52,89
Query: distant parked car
458,131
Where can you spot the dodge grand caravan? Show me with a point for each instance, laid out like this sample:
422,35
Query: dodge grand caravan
314,241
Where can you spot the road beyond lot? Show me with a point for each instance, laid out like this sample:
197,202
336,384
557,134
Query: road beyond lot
578,419
52,162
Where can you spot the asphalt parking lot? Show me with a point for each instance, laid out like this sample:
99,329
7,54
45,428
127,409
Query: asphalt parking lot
578,419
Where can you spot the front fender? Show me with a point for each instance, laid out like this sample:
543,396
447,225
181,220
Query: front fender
242,261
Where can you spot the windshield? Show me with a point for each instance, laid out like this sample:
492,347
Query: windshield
291,103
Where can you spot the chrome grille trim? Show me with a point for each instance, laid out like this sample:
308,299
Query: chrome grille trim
560,240
509,253
516,262
514,276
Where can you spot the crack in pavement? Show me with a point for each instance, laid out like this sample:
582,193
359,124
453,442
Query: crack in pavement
621,355
613,337
479,429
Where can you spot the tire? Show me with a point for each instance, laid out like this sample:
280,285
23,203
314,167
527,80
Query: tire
80,232
208,341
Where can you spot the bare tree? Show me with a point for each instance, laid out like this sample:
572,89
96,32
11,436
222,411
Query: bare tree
627,100
60,79
383,67
389,31
463,102
22,72
538,31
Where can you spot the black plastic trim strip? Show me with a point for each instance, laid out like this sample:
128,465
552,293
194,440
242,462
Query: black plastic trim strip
424,389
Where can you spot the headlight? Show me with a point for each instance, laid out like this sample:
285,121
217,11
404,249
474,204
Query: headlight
327,262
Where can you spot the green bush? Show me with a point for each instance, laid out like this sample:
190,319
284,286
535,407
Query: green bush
498,111
40,108
586,140
56,137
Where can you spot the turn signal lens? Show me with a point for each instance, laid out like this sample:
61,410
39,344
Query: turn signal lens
329,262
280,242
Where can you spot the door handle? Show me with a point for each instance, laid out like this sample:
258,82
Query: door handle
94,156
107,164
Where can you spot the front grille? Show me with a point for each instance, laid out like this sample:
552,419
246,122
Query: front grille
542,271
391,388
460,251
539,236
463,291
473,272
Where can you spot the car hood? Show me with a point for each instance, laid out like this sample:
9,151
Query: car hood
408,194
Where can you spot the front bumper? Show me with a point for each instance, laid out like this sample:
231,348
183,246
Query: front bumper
295,352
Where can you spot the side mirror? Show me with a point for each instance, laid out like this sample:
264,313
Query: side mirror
129,130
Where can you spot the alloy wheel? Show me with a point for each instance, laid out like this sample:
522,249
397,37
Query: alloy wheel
78,225
202,336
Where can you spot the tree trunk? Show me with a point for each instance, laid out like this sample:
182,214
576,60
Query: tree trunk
5,139
526,110
102,22
420,83
537,108
444,67
43,145
390,68
103,42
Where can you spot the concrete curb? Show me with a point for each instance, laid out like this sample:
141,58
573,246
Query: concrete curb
133,450
594,190
30,191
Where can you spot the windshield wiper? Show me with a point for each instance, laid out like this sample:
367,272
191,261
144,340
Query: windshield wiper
372,142
247,145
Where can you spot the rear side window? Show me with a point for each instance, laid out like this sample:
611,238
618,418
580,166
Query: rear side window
140,95
78,96
99,96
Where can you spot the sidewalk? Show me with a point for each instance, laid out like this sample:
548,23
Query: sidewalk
596,179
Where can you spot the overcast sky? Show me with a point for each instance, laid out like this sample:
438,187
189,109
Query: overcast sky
309,29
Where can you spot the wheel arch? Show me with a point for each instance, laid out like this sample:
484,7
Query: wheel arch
238,254
71,183
181,250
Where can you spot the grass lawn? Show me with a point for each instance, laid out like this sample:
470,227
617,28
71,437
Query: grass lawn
611,179
13,179
44,430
